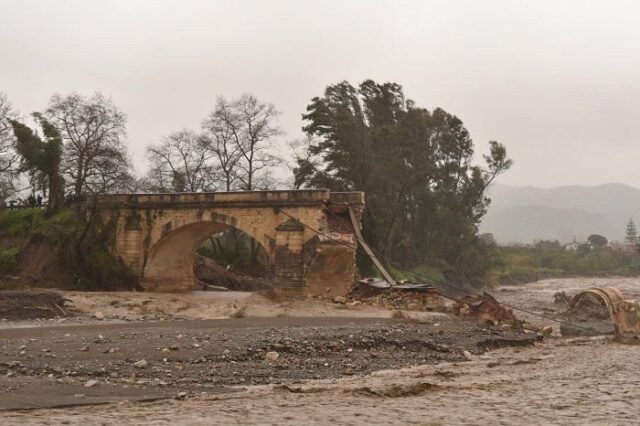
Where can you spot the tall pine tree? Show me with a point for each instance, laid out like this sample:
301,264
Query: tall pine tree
425,197
631,233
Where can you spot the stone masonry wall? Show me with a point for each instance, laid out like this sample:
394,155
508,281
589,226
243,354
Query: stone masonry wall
158,235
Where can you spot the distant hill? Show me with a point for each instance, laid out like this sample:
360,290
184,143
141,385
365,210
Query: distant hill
524,214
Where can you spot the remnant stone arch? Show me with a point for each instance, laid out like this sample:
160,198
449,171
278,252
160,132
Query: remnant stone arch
171,257
307,234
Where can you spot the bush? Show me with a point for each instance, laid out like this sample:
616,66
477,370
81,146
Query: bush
20,222
8,259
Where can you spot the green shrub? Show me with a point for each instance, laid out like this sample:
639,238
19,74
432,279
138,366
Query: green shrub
8,259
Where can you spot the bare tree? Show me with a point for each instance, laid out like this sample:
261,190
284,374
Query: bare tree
112,173
93,129
9,159
223,128
182,162
256,142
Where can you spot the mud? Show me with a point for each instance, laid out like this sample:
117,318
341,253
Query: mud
26,304
553,383
51,366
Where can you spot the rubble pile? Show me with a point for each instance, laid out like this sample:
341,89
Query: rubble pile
215,277
427,299
486,308
595,310
414,297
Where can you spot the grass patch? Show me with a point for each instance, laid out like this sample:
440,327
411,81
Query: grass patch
419,274
20,222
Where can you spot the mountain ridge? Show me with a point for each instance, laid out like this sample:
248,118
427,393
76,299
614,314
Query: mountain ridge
522,214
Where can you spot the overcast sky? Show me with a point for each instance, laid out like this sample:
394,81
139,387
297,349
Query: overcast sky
558,82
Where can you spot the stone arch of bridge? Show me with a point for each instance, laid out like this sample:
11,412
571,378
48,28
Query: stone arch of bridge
169,263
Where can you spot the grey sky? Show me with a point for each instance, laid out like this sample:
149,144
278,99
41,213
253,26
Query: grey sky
557,81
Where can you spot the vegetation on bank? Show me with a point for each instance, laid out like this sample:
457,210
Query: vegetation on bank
530,263
78,248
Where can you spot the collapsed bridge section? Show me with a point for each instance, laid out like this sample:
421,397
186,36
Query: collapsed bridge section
308,235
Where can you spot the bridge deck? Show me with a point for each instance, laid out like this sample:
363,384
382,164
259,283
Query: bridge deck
244,198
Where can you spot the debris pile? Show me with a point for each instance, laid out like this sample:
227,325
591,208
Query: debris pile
594,305
424,298
215,277
485,307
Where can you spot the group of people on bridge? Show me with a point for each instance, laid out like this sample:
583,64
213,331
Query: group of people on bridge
32,201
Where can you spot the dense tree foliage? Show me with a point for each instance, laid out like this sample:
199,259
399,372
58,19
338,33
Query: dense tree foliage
41,158
597,240
425,197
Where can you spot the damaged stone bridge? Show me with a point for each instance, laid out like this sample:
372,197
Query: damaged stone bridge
157,235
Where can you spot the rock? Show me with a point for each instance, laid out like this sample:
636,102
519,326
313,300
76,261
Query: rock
90,383
84,349
68,304
467,355
141,364
98,315
181,395
271,356
340,299
547,330
166,350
